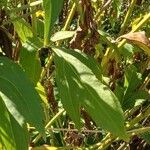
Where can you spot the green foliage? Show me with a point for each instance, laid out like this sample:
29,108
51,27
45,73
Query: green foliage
52,9
19,95
3,3
10,130
6,133
61,35
146,136
23,29
78,86
117,6
30,62
90,58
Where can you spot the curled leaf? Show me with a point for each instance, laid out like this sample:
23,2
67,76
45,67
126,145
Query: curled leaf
139,39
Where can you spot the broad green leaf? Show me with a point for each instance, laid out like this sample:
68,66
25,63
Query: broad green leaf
61,35
12,135
19,95
52,9
78,85
30,62
6,133
20,134
23,29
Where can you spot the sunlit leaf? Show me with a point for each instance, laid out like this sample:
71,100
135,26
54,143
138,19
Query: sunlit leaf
10,130
19,95
61,35
20,134
23,29
30,62
78,86
6,133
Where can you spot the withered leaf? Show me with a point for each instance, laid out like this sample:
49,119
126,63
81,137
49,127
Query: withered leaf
139,39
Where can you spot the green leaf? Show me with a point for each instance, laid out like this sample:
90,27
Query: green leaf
30,62
132,81
10,130
40,28
19,95
135,99
3,3
119,92
61,35
52,9
20,134
6,133
23,29
128,50
146,136
78,85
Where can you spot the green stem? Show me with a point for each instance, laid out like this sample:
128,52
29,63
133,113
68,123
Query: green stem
127,17
138,118
101,144
80,10
104,7
70,17
138,131
66,26
48,124
130,112
44,70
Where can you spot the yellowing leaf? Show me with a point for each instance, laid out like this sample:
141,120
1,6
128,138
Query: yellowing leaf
46,147
139,39
41,91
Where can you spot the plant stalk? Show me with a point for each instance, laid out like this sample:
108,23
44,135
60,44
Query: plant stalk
109,139
66,26
127,17
48,124
138,131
